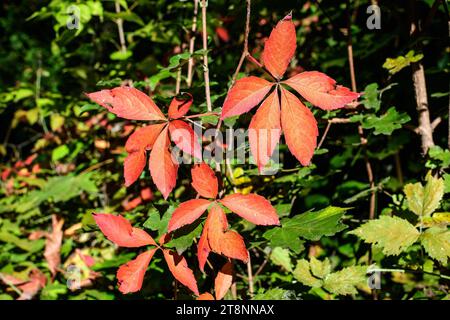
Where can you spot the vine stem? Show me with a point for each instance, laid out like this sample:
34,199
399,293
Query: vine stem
245,50
204,5
192,45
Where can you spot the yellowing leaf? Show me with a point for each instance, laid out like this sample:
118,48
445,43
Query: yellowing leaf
393,234
280,257
303,274
436,241
345,281
319,268
424,200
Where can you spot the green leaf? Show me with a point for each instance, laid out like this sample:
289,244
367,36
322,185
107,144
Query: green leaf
392,234
60,152
344,282
446,183
279,237
370,97
436,241
184,237
120,55
423,201
157,223
386,123
275,294
303,274
394,65
281,257
24,244
319,268
441,155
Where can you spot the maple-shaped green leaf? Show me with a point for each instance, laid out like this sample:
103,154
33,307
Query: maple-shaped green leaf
385,123
303,274
281,257
424,200
319,268
394,65
344,282
310,225
441,155
392,234
436,241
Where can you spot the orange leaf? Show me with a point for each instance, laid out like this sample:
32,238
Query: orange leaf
280,47
203,249
185,138
204,180
53,245
143,138
244,95
265,130
179,106
223,280
180,270
299,127
252,207
321,90
131,274
229,243
187,213
119,230
133,166
205,296
128,103
163,167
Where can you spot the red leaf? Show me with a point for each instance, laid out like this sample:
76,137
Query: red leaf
280,47
119,230
133,166
185,138
223,280
244,95
163,167
128,103
144,138
204,180
252,207
265,130
321,90
31,288
205,296
229,243
203,249
141,140
223,34
53,245
187,213
180,270
179,106
131,274
299,127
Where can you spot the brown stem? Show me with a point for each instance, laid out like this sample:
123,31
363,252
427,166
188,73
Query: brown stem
192,45
420,89
250,276
123,46
362,138
204,5
245,50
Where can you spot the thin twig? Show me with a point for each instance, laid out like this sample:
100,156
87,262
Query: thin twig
245,50
119,22
192,45
204,5
362,138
